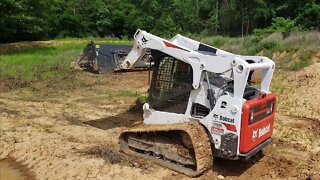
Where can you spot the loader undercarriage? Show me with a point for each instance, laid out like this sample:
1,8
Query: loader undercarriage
182,147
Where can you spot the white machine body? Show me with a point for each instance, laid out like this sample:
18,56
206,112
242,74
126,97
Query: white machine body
220,81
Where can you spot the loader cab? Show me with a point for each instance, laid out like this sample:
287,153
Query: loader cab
170,85
251,90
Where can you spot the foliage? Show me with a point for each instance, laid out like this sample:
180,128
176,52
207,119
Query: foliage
278,24
310,17
19,20
36,20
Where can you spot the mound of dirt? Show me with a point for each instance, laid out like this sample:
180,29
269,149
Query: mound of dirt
301,95
297,90
308,74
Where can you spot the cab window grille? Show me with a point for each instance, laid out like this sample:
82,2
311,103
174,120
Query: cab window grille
171,83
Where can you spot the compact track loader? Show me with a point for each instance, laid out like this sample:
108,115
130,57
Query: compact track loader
200,105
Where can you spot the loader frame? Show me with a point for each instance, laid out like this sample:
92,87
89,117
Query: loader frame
226,111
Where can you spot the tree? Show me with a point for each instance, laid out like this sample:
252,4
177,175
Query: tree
22,19
36,20
309,18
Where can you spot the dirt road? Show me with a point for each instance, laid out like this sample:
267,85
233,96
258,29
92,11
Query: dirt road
74,134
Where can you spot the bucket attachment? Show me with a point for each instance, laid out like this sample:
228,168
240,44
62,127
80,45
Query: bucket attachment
102,58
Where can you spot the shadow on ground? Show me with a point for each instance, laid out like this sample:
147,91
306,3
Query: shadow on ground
108,153
132,118
12,169
226,167
126,119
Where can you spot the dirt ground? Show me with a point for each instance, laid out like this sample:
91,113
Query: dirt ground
73,134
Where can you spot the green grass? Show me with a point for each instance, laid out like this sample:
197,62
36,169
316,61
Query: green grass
125,94
291,53
39,63
302,62
276,42
142,97
295,60
278,90
95,39
42,63
28,62
248,45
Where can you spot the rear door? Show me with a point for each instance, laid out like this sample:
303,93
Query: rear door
257,121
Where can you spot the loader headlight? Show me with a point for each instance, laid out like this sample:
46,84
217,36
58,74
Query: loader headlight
271,108
251,115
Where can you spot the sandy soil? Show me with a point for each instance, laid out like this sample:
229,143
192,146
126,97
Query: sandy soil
301,92
74,135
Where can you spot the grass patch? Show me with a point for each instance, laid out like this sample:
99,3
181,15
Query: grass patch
276,42
278,90
283,61
303,61
40,63
142,97
22,46
24,63
125,94
248,45
43,61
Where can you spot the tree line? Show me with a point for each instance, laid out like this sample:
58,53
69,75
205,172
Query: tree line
46,19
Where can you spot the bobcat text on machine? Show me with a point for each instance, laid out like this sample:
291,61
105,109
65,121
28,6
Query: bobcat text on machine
200,105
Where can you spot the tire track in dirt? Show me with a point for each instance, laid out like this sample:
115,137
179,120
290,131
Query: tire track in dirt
75,135
42,132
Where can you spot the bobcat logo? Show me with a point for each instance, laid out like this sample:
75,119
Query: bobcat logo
260,132
144,40
215,116
254,135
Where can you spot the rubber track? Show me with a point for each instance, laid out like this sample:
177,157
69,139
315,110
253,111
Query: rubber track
199,138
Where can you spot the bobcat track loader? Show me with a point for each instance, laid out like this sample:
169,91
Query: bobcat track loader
200,105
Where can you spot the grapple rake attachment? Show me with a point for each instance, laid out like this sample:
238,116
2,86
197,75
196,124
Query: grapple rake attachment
102,58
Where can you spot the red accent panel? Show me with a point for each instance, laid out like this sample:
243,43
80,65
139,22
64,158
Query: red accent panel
254,134
173,46
231,127
170,45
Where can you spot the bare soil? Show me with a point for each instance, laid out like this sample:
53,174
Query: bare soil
73,134
18,46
